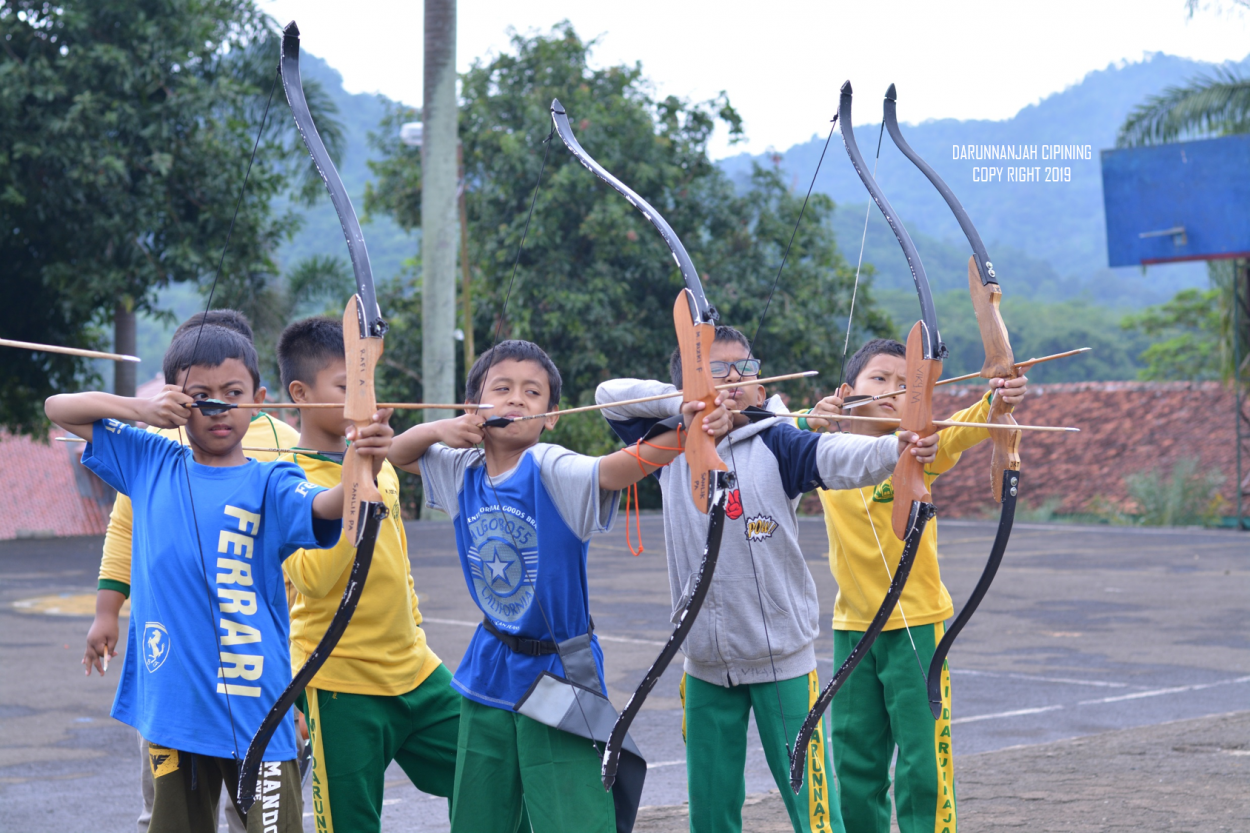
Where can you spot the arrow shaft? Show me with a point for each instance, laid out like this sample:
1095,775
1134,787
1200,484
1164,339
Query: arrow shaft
69,351
941,423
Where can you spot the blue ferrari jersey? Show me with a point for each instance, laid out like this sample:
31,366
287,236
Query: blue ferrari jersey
207,647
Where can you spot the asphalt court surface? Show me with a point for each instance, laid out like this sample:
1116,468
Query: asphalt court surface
1086,630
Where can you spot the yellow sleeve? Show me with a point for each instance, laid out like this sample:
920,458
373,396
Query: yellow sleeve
954,441
115,560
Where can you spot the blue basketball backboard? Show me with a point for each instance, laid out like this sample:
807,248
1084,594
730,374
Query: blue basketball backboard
1182,201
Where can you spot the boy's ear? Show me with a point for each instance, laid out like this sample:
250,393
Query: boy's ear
844,391
261,392
298,391
550,422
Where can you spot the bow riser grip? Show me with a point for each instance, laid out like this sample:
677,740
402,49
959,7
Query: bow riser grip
916,414
695,342
362,354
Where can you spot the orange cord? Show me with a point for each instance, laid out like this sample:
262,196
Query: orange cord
632,492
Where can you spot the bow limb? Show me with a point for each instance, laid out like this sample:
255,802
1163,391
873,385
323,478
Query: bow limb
363,329
999,363
913,507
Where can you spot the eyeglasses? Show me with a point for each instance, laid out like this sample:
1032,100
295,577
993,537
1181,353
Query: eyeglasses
746,368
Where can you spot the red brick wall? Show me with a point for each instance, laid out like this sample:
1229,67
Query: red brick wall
1126,427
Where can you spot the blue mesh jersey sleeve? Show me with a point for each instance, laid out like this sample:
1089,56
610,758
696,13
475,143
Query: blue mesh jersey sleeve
797,462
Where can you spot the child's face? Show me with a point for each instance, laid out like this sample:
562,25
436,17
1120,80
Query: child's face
229,382
735,398
882,374
518,388
329,385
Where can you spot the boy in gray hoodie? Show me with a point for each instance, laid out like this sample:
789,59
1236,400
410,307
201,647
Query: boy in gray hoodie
752,647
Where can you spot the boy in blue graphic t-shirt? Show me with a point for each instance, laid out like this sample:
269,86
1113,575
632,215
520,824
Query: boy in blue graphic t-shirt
207,650
532,677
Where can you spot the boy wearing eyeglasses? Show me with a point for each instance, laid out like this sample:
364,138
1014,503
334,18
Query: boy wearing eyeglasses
753,646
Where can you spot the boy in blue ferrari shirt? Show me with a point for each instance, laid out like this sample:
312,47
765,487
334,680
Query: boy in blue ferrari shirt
207,651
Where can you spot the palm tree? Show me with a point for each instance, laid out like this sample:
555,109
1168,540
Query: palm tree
1207,106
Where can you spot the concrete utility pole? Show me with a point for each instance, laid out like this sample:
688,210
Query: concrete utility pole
124,342
440,234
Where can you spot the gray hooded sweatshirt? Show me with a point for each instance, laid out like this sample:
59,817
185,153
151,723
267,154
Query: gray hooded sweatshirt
760,560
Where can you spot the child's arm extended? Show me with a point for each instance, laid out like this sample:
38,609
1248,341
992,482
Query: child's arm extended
460,432
78,412
372,442
623,468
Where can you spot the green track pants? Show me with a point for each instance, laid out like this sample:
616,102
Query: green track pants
716,750
884,705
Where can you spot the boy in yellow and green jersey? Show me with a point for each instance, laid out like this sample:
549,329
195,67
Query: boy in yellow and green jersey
382,695
113,587
884,703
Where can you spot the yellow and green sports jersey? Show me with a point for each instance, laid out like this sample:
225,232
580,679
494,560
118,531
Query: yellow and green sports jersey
383,651
862,542
264,432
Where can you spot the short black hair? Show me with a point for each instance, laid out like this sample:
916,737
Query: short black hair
876,347
723,333
208,346
231,319
522,351
307,347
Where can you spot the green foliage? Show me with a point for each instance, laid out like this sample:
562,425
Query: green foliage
595,284
125,130
1187,496
1045,512
1037,328
1184,334
1209,105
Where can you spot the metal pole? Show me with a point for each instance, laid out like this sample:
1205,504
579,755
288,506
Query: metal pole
466,286
1241,341
438,207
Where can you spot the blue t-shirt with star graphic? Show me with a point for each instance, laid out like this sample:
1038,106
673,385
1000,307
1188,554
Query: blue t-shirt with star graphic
523,538
207,651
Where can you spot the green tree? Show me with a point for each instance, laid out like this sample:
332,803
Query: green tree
595,284
125,130
1184,334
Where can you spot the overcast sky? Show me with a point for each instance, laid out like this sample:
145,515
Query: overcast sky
782,61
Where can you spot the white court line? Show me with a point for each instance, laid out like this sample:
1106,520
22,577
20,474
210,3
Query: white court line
996,715
602,637
1134,696
1159,691
659,764
1067,680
